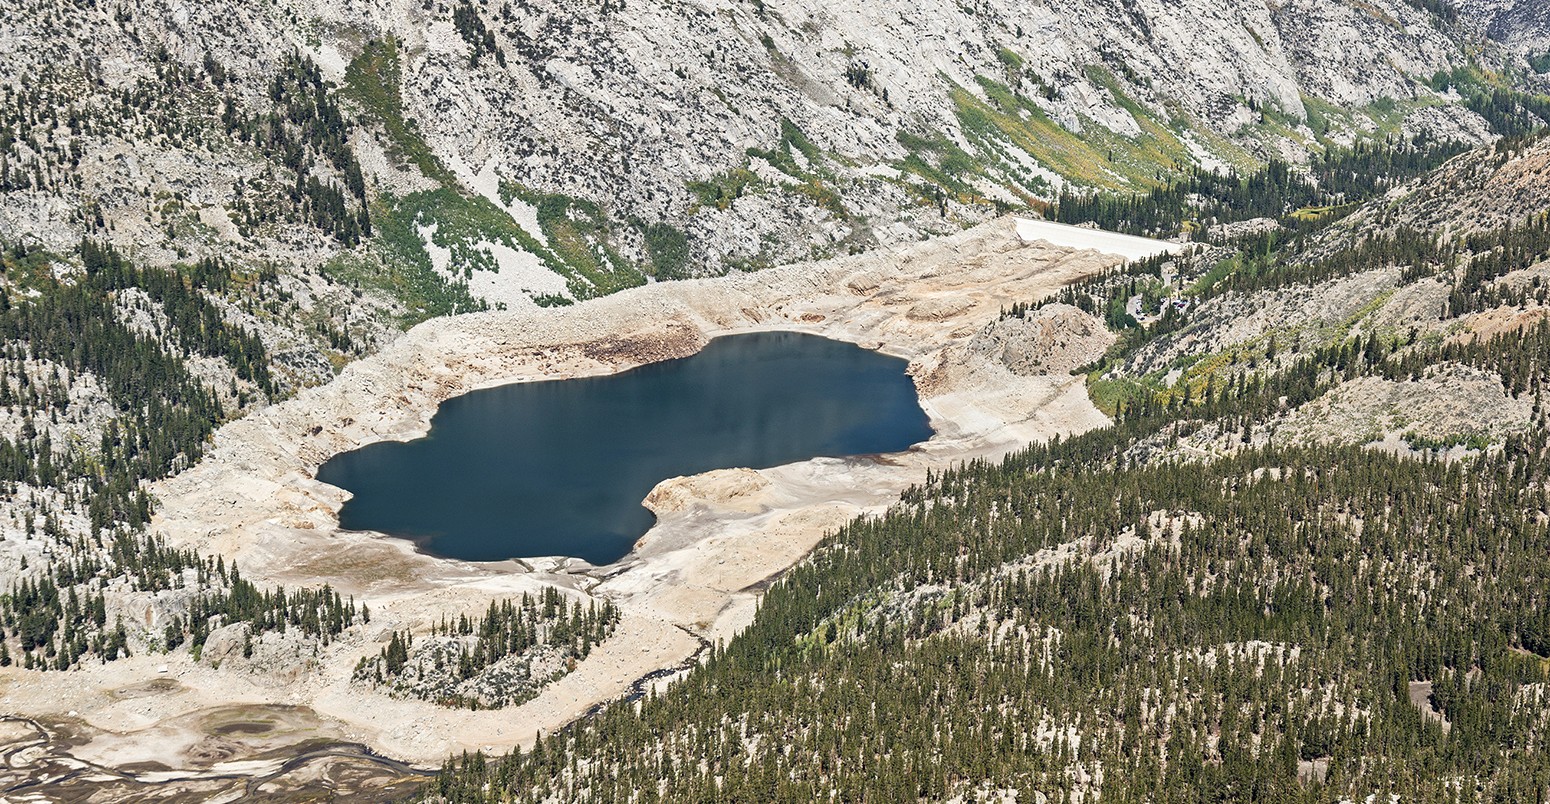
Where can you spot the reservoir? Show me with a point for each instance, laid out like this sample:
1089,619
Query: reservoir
560,467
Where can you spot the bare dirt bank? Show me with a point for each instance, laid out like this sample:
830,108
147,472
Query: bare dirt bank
695,577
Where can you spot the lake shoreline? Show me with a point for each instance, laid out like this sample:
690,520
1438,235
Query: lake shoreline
694,578
560,467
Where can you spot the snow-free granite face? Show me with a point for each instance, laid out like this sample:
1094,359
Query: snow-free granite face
685,138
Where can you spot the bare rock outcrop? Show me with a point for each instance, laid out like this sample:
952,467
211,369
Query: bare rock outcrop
738,489
226,643
1055,339
1451,403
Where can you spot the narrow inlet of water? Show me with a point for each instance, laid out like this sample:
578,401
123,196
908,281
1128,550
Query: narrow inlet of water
560,467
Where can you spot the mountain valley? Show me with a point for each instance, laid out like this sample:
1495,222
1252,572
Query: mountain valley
1250,503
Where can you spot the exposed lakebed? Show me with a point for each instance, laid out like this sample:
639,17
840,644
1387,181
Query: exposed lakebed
560,467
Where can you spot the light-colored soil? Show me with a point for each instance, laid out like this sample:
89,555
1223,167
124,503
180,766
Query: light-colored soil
1450,401
1420,693
694,577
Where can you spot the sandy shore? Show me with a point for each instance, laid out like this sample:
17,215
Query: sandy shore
694,577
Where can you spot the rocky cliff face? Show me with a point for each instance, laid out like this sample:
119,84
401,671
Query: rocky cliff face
1523,25
541,149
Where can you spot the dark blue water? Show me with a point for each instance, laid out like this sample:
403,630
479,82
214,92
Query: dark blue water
560,468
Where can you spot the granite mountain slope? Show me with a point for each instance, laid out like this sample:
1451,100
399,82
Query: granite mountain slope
440,156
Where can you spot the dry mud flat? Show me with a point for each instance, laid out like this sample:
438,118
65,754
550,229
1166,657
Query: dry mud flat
693,578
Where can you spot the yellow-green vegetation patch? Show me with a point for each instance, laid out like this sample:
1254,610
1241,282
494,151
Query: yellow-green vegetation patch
398,265
1203,372
581,237
822,196
1221,270
1274,126
1382,119
398,262
813,180
1005,120
1199,375
1314,214
1157,145
1469,76
577,231
940,162
1233,155
847,621
463,223
1108,393
783,156
722,189
1372,306
372,80
1323,116
26,270
1389,114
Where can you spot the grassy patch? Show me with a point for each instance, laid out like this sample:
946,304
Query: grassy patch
465,223
1216,273
1157,144
372,80
1466,77
1008,59
397,261
580,236
844,623
1005,122
1198,375
466,226
1387,114
1314,214
1108,394
397,264
575,229
823,196
581,242
813,180
941,162
783,156
722,189
1324,117
792,138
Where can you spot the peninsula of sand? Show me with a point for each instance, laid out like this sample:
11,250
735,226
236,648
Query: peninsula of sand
989,384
